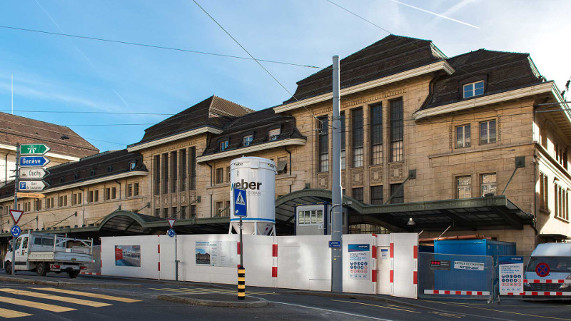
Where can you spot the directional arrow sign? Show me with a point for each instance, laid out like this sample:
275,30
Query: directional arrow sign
171,222
34,149
28,161
30,195
16,215
32,173
32,186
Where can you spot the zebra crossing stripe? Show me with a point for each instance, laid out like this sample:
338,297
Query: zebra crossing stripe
55,297
90,295
8,314
35,305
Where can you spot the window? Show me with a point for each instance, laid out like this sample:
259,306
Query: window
192,211
182,170
274,134
38,204
89,197
192,167
377,195
473,89
183,212
488,184
223,145
157,212
463,136
113,192
376,134
464,187
543,192
357,135
343,141
561,203
106,193
282,165
218,209
397,131
174,171
397,192
173,212
165,173
220,175
79,198
357,193
96,195
310,217
228,174
323,140
129,190
247,140
132,165
157,174
165,212
135,189
487,132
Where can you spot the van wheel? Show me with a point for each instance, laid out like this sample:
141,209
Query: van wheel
41,269
8,267
73,274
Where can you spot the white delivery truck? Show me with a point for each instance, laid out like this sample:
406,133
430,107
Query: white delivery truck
44,252
549,264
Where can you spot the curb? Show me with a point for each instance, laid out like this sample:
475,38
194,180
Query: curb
66,284
213,303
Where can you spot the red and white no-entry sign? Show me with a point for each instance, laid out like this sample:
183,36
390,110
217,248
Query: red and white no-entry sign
16,215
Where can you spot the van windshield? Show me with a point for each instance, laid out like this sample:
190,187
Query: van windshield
556,263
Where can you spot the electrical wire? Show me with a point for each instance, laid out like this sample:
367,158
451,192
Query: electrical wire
152,46
87,112
358,16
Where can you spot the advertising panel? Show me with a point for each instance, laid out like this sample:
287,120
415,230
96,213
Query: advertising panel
359,261
216,253
128,255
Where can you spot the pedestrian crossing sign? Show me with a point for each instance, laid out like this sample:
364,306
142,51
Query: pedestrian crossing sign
240,207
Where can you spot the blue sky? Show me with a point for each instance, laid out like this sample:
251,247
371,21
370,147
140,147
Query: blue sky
54,73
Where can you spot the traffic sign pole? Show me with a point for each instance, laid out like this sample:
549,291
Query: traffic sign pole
15,206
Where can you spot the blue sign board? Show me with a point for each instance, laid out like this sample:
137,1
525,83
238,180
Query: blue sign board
27,161
334,244
171,232
240,207
16,231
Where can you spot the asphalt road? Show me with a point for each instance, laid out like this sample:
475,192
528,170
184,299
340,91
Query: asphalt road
102,298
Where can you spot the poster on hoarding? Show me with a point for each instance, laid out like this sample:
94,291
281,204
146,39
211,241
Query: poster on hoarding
511,278
216,253
359,261
128,255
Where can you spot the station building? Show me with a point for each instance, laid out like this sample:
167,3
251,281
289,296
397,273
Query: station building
475,144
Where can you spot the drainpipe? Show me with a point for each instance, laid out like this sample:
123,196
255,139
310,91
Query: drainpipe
535,169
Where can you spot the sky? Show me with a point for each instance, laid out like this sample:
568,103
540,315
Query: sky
96,87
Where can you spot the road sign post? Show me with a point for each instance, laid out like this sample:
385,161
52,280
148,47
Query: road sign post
241,210
172,233
15,205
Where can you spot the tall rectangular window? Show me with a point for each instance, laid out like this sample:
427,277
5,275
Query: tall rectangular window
543,191
182,170
192,211
135,190
488,132
343,141
157,174
157,212
377,195
358,193
129,190
183,212
488,184
174,171
376,134
464,187
165,212
463,136
323,141
165,173
113,192
397,131
220,175
192,167
397,192
357,135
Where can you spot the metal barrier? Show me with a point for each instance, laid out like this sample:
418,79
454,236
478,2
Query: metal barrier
458,276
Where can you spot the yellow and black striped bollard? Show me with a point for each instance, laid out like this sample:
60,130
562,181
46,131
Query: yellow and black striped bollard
241,283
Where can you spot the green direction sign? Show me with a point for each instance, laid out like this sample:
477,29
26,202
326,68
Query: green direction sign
34,149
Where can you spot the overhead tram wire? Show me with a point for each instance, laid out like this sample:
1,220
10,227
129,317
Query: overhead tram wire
358,16
89,112
153,46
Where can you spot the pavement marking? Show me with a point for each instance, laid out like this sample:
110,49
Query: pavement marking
55,297
206,291
90,295
448,315
510,312
35,305
332,311
8,314
392,307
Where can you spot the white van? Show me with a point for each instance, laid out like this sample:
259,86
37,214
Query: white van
549,262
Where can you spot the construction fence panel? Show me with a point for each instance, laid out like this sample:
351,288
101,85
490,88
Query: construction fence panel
457,276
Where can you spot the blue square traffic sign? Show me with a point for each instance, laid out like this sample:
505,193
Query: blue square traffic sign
240,207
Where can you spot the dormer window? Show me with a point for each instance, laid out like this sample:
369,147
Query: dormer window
247,140
473,89
132,165
223,145
274,134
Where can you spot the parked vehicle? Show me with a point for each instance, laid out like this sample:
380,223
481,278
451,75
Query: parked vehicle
43,253
549,263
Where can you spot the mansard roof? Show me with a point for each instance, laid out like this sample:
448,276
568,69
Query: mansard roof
388,56
213,112
61,139
258,124
88,168
500,71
